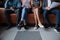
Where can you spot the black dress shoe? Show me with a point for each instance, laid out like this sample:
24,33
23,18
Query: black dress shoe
38,26
58,30
26,27
20,25
46,26
8,27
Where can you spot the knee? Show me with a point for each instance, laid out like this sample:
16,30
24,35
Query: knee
57,11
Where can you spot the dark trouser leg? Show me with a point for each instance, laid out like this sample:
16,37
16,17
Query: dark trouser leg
57,12
19,15
18,12
7,15
45,14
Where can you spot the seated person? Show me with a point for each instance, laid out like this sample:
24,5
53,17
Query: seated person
48,9
11,6
26,7
36,4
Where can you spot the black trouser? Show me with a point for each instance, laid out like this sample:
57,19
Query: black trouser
53,11
18,15
7,15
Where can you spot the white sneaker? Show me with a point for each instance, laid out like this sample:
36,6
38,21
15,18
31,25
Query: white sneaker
22,29
41,26
35,28
18,24
56,31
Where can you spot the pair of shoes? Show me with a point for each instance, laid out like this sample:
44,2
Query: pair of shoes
21,24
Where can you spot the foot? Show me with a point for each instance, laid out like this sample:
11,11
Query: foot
40,25
46,26
8,27
36,27
57,29
26,27
20,25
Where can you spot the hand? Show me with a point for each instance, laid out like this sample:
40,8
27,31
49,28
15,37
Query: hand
11,8
48,8
22,5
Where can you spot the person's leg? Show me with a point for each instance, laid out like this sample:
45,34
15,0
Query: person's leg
7,15
34,10
22,19
17,16
47,22
57,12
25,18
37,15
23,13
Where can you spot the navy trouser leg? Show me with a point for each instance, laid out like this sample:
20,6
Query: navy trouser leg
7,15
54,11
45,14
57,12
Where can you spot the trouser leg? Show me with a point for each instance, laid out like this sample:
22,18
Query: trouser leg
7,15
45,14
24,15
57,12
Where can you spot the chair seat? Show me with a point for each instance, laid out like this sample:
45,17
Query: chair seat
30,17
